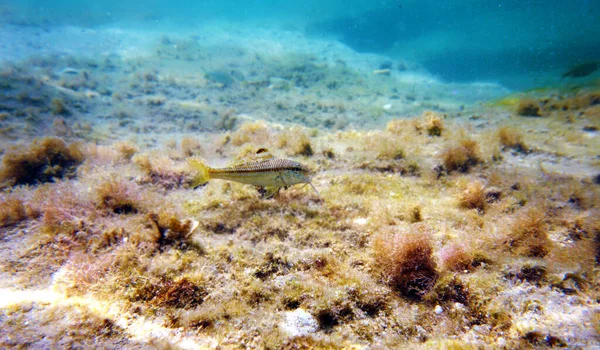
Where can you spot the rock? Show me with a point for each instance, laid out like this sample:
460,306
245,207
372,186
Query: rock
387,64
299,323
220,77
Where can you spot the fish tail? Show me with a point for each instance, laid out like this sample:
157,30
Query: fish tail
203,172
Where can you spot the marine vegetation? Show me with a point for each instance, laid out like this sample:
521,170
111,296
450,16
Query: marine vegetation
461,156
407,262
45,160
511,138
436,226
528,108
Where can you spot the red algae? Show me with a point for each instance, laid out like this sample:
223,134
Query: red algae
467,228
12,211
407,262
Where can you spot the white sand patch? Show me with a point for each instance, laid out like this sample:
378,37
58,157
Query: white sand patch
139,328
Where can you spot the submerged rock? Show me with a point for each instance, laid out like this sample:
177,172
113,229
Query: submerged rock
582,70
220,77
299,323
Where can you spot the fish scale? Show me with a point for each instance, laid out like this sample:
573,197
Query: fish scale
269,173
272,172
262,166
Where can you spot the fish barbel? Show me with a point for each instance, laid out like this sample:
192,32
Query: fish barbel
267,172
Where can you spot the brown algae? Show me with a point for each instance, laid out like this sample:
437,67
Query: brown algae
461,230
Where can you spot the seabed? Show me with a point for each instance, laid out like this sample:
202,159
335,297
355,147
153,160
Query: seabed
448,215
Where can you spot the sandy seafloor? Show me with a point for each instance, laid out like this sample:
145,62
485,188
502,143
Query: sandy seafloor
448,215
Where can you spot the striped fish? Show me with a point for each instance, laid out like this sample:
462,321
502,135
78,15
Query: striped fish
270,174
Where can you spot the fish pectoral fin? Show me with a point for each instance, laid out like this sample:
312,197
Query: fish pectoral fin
270,191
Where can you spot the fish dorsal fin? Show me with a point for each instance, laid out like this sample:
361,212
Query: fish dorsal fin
239,162
263,153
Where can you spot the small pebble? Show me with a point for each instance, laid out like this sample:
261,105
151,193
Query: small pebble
438,309
360,221
459,307
299,323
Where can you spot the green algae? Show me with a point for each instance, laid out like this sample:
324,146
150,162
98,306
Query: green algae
121,231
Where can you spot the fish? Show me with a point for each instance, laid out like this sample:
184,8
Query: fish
268,173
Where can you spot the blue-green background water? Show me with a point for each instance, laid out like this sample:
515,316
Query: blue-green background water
518,43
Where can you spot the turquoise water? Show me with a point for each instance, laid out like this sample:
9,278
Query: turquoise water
520,44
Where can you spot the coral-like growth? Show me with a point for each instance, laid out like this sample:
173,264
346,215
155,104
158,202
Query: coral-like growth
401,126
162,171
414,214
82,271
529,235
512,139
407,263
126,149
190,147
473,197
461,157
227,119
388,148
433,123
12,211
532,273
450,288
456,258
45,160
296,141
384,147
57,106
117,197
168,230
257,133
528,108
61,206
180,293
